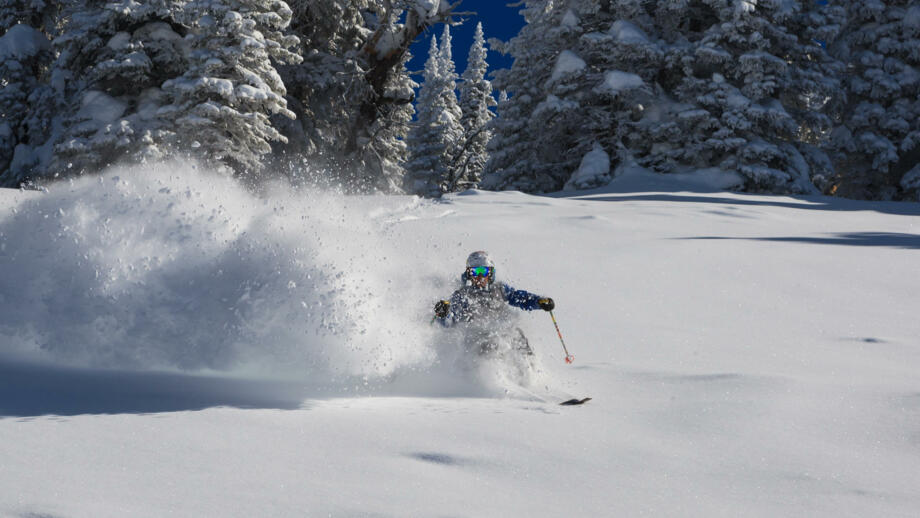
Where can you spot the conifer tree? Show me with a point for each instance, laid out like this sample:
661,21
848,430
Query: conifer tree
575,82
673,85
435,138
426,166
750,90
140,80
878,145
449,113
113,58
388,150
221,106
475,101
514,161
352,88
25,97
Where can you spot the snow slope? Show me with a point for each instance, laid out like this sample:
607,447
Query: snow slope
173,345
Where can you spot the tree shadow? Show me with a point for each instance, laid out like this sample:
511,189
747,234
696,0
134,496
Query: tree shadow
825,203
878,239
28,390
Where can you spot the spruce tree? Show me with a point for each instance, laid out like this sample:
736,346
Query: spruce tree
351,89
221,106
475,101
578,75
878,145
436,137
113,58
750,86
673,85
41,15
385,156
426,167
514,162
25,99
449,113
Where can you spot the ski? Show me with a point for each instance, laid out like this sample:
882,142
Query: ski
575,401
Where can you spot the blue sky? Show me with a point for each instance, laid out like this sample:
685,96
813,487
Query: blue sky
498,21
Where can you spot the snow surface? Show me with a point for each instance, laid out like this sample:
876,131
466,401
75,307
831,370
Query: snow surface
173,345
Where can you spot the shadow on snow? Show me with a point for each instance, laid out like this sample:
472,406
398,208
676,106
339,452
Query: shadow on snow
825,203
35,390
878,239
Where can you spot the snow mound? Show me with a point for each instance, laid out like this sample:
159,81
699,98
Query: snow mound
570,19
628,33
594,170
567,63
22,42
616,81
631,178
101,107
169,268
912,20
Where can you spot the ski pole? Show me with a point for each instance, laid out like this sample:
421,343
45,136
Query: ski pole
568,357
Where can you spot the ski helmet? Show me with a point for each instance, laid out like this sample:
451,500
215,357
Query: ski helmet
479,259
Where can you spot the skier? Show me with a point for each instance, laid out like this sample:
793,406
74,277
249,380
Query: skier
481,305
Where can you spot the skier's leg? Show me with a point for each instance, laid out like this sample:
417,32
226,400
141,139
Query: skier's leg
522,344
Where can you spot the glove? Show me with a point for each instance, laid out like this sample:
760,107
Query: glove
441,308
546,304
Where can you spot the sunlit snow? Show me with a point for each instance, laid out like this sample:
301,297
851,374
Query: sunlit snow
173,345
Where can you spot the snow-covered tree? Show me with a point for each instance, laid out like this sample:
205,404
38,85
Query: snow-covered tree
878,144
749,89
475,101
113,59
385,155
351,89
436,136
26,99
41,15
428,151
597,91
448,106
25,54
575,83
514,162
325,88
222,104
677,84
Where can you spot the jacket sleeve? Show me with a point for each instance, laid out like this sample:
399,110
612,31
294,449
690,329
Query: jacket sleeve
521,299
458,307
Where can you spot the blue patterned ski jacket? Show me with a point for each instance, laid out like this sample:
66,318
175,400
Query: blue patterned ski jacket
470,303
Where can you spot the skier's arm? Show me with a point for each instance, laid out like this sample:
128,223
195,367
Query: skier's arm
448,311
524,299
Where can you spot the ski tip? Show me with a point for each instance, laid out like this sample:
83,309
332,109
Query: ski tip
575,401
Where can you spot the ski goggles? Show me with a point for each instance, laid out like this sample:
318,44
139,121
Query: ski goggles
480,271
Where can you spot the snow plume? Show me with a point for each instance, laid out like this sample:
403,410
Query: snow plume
167,267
